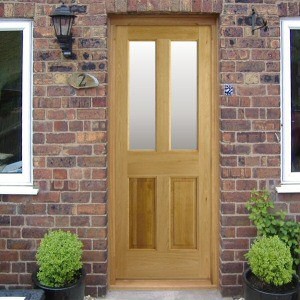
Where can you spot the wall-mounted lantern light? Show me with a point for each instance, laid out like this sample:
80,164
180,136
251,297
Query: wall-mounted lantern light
258,21
62,20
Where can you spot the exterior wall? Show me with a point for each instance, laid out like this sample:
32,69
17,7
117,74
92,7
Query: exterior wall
250,126
70,132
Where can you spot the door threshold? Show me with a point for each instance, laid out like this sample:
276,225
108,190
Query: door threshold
162,284
166,295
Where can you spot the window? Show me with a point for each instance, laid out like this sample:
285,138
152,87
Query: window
290,99
16,107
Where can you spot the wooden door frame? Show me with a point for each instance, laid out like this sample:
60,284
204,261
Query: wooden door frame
175,20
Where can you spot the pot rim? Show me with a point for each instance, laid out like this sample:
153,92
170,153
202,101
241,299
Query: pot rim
70,285
247,282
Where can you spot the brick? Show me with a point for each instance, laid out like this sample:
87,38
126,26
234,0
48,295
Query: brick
234,267
235,220
17,221
8,256
60,138
235,9
77,221
91,137
78,150
229,279
32,209
246,185
262,54
233,31
241,196
88,114
266,149
20,244
60,91
91,209
61,162
60,209
295,208
8,278
251,137
60,174
7,209
228,208
266,125
235,243
251,43
95,162
266,173
235,149
269,79
235,125
40,221
246,232
97,256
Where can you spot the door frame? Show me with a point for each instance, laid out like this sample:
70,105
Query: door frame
171,20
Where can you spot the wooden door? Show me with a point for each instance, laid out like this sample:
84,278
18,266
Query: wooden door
162,124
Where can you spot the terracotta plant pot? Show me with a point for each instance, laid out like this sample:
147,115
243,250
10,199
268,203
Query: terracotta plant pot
73,291
252,293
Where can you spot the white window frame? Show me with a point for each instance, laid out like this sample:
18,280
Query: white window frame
290,180
22,183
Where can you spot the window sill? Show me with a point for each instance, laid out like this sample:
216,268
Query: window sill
18,190
288,188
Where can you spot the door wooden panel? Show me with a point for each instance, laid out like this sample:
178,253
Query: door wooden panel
162,198
184,213
142,213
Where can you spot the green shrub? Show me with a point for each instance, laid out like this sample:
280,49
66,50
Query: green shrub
269,223
270,260
59,258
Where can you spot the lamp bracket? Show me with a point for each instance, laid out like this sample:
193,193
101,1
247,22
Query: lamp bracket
255,18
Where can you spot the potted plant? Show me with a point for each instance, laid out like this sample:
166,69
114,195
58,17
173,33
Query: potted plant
60,269
271,275
270,222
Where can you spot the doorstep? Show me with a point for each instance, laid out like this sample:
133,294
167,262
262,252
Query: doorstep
163,295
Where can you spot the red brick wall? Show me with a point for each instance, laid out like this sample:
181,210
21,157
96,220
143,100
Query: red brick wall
250,125
70,132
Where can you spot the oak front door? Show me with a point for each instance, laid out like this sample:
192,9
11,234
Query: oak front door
162,120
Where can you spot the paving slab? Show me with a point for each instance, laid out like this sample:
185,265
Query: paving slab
165,295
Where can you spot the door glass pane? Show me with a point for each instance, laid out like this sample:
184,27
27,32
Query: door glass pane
142,95
184,95
11,102
295,100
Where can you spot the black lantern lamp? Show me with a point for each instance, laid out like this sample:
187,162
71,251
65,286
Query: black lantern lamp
63,19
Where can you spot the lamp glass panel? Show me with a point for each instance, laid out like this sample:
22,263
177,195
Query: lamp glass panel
184,105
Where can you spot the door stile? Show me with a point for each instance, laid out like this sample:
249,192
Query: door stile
122,141
205,127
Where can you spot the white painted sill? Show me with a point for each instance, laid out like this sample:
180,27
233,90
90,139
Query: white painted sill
288,188
18,190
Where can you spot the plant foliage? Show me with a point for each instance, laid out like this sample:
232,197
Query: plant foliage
271,261
270,223
59,258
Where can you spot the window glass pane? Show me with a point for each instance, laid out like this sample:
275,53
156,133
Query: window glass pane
142,95
295,100
11,102
184,94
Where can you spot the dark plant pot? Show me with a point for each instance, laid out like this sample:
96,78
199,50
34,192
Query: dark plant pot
252,293
73,291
